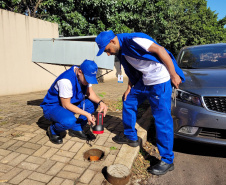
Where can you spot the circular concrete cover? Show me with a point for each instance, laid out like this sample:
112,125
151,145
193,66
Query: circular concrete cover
118,174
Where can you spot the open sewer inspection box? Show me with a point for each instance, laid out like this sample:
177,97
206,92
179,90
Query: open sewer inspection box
70,51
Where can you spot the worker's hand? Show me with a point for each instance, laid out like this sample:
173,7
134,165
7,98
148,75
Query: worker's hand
176,80
126,94
103,108
91,119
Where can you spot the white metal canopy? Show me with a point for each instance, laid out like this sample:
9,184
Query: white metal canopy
70,51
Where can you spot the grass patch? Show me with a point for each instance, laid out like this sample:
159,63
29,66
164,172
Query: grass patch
102,94
113,148
113,105
142,152
119,105
14,103
3,123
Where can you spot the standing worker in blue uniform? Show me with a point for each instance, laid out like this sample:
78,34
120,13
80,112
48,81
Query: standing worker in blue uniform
151,70
70,94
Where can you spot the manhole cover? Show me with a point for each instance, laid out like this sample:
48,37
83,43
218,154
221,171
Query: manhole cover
93,154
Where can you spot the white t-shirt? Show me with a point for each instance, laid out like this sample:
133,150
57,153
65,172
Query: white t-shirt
64,87
153,72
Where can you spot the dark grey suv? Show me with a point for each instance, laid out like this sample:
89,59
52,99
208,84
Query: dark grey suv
199,110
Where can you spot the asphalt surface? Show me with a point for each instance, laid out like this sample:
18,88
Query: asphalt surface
195,164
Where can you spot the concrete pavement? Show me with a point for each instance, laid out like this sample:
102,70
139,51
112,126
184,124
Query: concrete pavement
28,157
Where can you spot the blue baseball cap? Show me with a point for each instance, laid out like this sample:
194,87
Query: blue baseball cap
89,69
103,39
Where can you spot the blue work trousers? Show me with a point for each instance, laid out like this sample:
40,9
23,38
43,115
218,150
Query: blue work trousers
159,97
64,119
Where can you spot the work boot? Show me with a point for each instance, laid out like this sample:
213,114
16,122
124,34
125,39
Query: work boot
161,168
79,134
54,138
123,140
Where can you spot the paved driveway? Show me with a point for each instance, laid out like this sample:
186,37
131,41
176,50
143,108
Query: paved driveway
27,156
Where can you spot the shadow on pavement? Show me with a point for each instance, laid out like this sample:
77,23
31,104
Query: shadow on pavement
112,120
190,147
35,102
111,123
194,148
43,123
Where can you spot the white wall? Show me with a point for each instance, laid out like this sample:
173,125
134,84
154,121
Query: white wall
18,74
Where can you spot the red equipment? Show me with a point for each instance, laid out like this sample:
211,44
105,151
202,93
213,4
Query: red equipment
99,128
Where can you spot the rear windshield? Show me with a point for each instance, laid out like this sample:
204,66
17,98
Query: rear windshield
203,57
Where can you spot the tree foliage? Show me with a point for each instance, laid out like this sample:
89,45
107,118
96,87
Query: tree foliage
173,23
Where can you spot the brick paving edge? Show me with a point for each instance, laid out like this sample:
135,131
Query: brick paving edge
127,154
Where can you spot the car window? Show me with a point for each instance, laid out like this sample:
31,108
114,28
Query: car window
203,57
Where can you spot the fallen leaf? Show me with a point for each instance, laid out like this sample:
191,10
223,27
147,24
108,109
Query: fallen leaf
3,180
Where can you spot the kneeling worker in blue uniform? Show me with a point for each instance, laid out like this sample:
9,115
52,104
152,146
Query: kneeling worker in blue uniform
151,70
70,94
